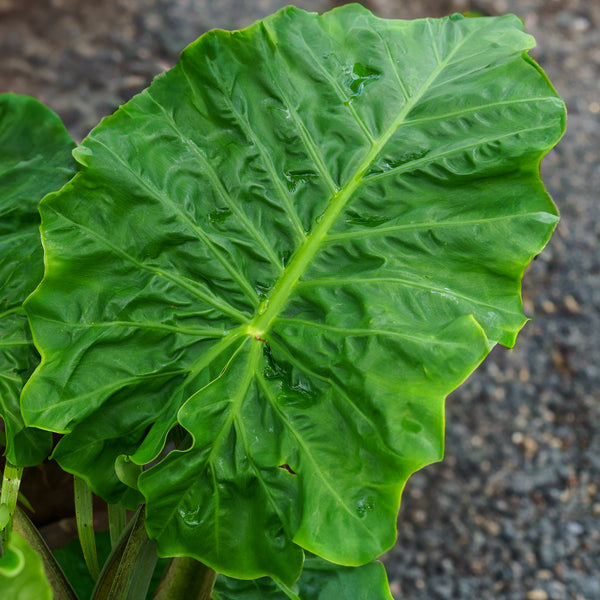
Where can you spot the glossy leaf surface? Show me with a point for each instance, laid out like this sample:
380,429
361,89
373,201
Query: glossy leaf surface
320,580
294,245
35,158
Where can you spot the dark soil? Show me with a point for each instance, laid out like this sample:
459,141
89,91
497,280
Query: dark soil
513,512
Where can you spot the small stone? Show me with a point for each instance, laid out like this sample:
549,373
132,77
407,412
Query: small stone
537,594
548,306
395,588
493,528
580,24
499,394
574,528
590,585
528,307
547,556
531,447
572,305
477,441
420,516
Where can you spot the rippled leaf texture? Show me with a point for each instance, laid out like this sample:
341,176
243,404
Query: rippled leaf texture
320,580
294,245
35,158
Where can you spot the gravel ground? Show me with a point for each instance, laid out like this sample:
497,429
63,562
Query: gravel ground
513,512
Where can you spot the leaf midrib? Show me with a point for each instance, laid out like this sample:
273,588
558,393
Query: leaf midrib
283,288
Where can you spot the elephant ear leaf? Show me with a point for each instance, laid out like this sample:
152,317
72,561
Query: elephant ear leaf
292,246
320,580
35,158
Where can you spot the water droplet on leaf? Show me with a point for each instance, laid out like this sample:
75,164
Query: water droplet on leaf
294,177
367,220
364,506
219,216
411,425
358,76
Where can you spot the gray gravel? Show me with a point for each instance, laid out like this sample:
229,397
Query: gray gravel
513,512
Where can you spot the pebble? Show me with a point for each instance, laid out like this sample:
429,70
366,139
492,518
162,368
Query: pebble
537,594
572,305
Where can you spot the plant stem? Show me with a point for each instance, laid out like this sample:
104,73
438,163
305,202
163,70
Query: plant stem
186,578
11,481
85,525
128,571
56,578
286,590
116,523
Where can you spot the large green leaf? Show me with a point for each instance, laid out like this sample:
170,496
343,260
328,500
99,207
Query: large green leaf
293,245
35,158
320,580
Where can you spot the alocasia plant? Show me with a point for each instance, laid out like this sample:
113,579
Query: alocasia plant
274,264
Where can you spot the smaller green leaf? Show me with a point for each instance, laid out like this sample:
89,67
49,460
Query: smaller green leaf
70,558
23,500
22,574
12,562
127,471
54,574
320,580
35,158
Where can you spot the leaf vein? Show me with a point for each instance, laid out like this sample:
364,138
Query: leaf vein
219,187
344,98
350,331
164,198
328,485
397,280
290,210
431,158
191,286
307,139
473,109
374,231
